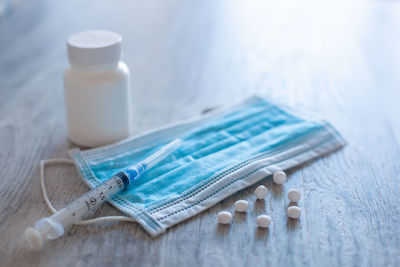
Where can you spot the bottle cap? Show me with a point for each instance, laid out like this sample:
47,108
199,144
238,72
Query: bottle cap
94,48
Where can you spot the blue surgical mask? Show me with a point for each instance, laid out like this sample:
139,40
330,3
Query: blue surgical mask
221,154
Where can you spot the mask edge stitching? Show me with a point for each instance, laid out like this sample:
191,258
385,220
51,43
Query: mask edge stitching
152,209
337,145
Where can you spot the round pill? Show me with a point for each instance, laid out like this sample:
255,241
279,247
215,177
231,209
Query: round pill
241,205
294,212
263,221
224,217
279,177
261,192
294,195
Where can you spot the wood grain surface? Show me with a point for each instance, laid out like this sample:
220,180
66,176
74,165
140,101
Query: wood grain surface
337,59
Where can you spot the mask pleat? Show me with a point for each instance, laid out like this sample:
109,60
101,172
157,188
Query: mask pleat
222,142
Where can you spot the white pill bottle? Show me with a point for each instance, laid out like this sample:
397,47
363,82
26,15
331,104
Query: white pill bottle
97,89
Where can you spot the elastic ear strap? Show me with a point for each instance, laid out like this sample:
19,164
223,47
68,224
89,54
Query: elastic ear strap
42,184
53,210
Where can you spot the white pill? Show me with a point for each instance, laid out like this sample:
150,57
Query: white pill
294,195
241,205
294,212
263,221
279,177
261,192
224,217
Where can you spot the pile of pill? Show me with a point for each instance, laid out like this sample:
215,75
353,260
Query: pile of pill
263,221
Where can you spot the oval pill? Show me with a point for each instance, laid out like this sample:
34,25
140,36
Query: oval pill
263,221
224,217
279,177
261,192
241,205
294,195
294,212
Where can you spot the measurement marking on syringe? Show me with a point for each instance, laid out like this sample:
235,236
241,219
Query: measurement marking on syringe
93,201
119,182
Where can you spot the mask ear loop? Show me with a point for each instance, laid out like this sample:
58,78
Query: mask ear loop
53,210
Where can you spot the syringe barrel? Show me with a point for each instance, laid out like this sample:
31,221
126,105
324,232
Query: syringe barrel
54,226
91,201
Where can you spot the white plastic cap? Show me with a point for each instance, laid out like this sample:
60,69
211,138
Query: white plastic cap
34,238
45,229
94,48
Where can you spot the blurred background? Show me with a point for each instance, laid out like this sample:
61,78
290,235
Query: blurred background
339,60
299,52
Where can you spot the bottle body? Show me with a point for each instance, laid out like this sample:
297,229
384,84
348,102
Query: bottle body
98,104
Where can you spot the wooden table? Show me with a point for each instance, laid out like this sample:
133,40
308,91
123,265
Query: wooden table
340,60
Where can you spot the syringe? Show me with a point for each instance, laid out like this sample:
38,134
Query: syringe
54,226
